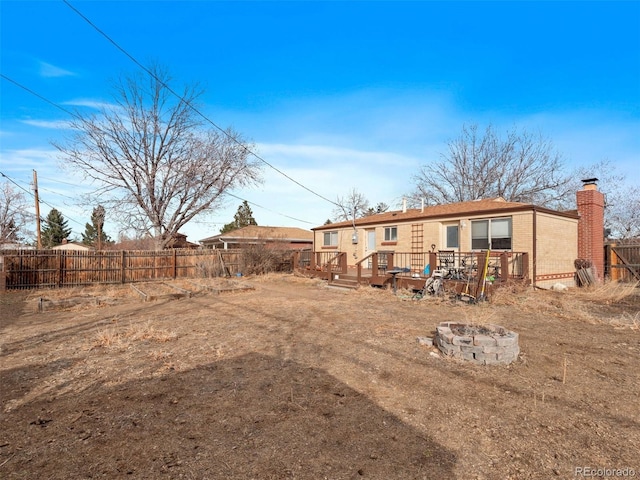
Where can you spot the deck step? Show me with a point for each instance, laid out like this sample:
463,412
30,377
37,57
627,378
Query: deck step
344,283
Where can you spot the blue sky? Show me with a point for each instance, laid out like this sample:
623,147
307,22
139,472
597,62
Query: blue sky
338,95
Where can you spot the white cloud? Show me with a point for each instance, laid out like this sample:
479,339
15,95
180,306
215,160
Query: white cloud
52,124
91,103
48,70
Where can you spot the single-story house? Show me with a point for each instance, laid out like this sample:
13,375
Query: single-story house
277,237
71,245
179,240
552,240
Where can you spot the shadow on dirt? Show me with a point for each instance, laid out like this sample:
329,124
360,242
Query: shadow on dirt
252,416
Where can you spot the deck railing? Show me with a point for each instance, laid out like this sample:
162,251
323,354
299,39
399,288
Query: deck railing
321,263
455,265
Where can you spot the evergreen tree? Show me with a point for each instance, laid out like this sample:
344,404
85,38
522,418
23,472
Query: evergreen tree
90,235
381,207
55,229
242,218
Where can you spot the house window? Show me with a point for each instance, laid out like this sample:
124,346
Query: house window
494,233
452,236
391,234
330,239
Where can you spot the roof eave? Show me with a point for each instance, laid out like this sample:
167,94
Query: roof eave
489,211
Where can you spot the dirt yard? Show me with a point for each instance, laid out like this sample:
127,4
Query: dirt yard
294,380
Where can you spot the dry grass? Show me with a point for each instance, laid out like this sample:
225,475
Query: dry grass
626,320
115,336
608,292
581,304
111,291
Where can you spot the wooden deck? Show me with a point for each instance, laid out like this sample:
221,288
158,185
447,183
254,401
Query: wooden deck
460,269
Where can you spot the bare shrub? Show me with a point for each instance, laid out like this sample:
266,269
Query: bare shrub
210,268
511,293
263,257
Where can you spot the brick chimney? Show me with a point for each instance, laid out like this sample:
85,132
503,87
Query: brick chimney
590,203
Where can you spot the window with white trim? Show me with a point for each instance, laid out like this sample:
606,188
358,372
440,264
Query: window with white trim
453,240
330,239
494,233
391,234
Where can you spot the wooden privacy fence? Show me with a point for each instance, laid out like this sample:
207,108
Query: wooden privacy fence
67,268
622,262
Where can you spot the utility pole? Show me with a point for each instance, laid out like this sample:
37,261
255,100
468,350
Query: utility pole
35,194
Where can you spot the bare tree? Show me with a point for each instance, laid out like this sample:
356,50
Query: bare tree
151,159
622,200
520,167
14,217
350,207
623,213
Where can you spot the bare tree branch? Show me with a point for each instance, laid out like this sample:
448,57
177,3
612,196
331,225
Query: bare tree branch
150,158
520,167
14,217
350,207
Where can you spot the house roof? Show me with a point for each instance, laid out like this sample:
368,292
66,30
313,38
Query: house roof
72,245
489,206
255,232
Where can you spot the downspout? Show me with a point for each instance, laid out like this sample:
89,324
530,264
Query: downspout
535,246
354,238
460,238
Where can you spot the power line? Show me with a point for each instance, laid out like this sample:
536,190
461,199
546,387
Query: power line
41,201
268,210
60,181
38,95
15,183
75,185
207,119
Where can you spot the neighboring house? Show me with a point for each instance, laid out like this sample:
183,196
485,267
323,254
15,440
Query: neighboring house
274,237
179,240
551,239
71,245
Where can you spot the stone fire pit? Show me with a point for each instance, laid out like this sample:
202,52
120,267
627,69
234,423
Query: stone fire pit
480,344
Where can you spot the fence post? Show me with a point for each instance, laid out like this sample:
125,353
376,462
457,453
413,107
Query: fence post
61,254
122,269
175,266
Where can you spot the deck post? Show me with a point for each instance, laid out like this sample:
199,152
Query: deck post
504,266
525,266
343,262
433,262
